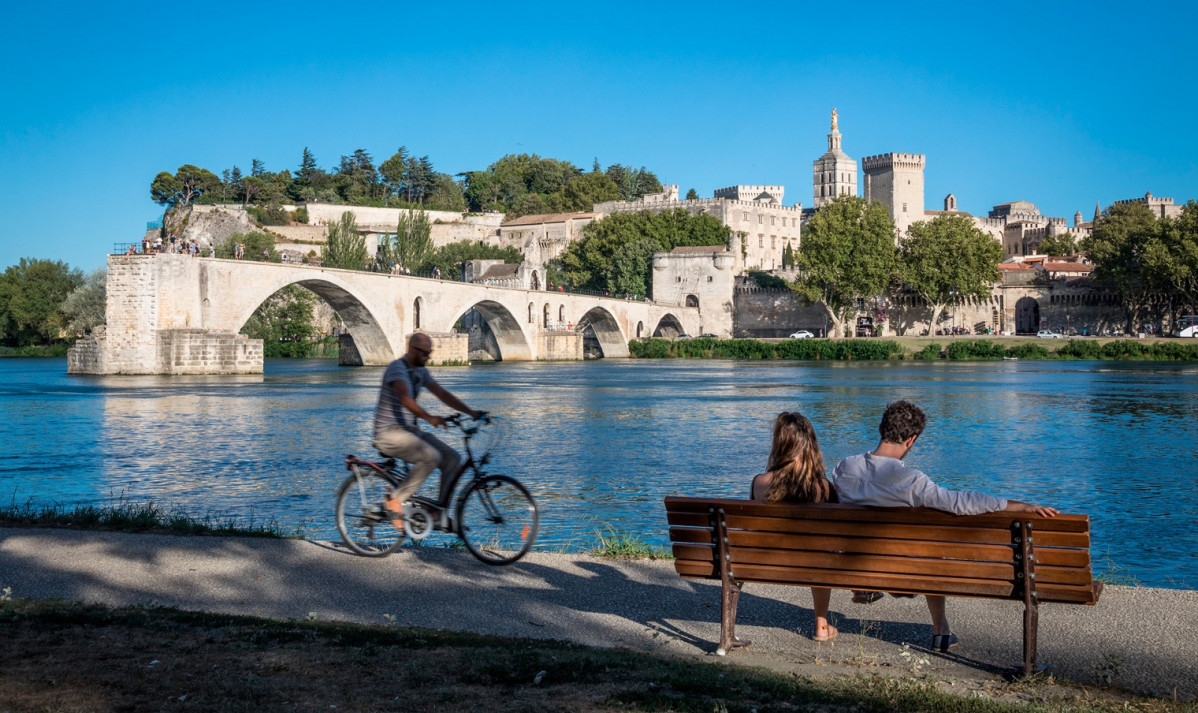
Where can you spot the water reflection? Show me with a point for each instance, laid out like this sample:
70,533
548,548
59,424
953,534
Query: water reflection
601,443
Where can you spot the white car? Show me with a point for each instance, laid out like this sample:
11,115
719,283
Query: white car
1048,334
802,334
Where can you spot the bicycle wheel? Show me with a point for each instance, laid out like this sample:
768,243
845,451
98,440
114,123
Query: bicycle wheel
497,519
363,522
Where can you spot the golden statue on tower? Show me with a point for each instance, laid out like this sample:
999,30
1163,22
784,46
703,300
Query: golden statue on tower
834,118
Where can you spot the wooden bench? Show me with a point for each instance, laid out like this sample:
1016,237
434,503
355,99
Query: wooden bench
1016,556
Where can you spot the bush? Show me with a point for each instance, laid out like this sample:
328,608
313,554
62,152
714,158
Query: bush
791,349
767,280
929,353
268,215
976,349
300,215
1080,349
1028,351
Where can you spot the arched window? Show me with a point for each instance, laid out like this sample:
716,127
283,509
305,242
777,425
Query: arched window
546,324
416,314
561,313
640,329
531,315
692,301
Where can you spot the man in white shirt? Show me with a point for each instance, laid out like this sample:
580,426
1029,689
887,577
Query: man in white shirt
880,478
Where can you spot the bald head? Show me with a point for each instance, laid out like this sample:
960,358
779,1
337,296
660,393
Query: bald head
420,346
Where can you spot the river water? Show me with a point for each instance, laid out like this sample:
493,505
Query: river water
601,443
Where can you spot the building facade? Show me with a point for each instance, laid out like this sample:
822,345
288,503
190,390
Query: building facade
896,180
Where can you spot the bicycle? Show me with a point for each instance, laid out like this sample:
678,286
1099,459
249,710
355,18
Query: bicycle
494,515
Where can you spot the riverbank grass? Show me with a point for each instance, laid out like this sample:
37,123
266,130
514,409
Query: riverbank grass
132,516
144,658
614,544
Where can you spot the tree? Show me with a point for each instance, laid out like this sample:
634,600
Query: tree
1170,263
449,258
947,259
788,256
253,187
284,323
446,194
1059,244
615,254
393,170
185,187
413,239
847,253
1117,247
582,193
255,243
346,247
84,307
31,297
692,195
257,168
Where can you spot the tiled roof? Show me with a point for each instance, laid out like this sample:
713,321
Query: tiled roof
499,272
1015,267
699,249
1068,267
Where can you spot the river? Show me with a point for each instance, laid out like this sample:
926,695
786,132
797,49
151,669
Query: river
600,443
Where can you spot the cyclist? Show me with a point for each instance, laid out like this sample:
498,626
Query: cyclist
396,433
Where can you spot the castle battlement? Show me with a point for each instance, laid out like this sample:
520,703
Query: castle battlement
750,192
633,206
894,160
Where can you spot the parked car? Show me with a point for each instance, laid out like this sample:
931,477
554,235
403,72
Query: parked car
709,335
1048,334
802,334
683,336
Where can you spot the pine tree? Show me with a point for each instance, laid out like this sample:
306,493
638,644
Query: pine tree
257,168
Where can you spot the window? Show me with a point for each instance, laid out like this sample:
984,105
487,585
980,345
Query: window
904,207
746,215
760,219
710,278
760,240
773,220
773,242
678,278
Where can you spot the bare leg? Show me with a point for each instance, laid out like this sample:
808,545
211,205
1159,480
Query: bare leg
936,607
821,597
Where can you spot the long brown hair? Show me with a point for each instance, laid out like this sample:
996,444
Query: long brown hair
796,463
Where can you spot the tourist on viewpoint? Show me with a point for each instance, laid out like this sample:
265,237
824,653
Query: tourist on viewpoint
795,474
880,478
396,433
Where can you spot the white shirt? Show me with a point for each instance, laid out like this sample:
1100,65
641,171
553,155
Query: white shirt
868,479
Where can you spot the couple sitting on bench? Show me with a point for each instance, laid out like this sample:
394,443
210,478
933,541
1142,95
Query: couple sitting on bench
796,475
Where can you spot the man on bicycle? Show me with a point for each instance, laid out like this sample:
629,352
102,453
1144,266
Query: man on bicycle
395,431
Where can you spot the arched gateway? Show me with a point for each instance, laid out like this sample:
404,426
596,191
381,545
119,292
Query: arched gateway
175,314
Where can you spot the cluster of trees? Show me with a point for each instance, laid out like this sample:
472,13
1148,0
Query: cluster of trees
526,184
46,302
615,255
515,184
1150,263
849,253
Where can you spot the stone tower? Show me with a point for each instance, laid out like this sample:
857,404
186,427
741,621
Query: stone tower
950,203
896,179
834,173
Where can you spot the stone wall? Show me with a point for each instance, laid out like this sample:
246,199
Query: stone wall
698,277
560,346
195,351
763,313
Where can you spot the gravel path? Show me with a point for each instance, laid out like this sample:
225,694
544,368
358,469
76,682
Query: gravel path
1144,640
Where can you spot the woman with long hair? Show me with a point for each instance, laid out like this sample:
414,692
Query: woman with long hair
796,475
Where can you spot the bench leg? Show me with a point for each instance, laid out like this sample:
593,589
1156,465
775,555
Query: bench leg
1031,622
729,597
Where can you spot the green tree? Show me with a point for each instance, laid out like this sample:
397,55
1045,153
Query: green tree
788,256
446,194
692,195
1117,247
31,297
253,188
284,323
346,247
413,239
259,246
84,307
847,253
1059,244
582,193
394,169
947,259
615,254
449,258
1170,263
185,187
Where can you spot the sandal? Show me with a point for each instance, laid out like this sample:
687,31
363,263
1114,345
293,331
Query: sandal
830,633
866,597
944,642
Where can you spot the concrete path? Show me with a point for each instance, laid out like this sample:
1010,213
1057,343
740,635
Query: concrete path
1144,640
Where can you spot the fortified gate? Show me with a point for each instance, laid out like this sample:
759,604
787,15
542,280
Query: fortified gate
176,314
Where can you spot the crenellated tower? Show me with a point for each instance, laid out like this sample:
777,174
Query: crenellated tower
896,179
834,173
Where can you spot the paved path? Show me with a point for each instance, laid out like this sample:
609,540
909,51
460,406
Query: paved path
1145,640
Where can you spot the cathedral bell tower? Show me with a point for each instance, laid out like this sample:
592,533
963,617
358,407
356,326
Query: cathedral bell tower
834,174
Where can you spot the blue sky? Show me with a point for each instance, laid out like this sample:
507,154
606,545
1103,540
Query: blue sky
1062,104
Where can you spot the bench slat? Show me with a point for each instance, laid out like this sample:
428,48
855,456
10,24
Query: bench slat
836,579
1061,557
858,513
995,535
866,563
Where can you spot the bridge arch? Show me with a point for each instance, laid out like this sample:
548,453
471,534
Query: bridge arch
369,337
668,327
513,343
602,325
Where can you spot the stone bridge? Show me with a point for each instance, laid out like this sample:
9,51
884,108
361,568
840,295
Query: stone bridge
175,314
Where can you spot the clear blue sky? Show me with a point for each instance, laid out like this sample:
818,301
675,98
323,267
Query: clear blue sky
1062,104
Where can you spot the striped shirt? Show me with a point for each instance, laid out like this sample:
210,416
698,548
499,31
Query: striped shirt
390,413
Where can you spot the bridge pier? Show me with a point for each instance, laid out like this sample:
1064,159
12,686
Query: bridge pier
170,352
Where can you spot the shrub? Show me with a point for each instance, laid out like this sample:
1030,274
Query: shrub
976,349
1080,349
269,215
300,215
929,353
1028,351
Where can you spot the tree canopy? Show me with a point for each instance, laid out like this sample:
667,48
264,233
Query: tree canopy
947,259
346,247
615,254
1059,244
847,253
84,308
31,296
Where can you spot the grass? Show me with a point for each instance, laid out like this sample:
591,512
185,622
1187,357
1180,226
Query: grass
130,516
62,656
613,544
